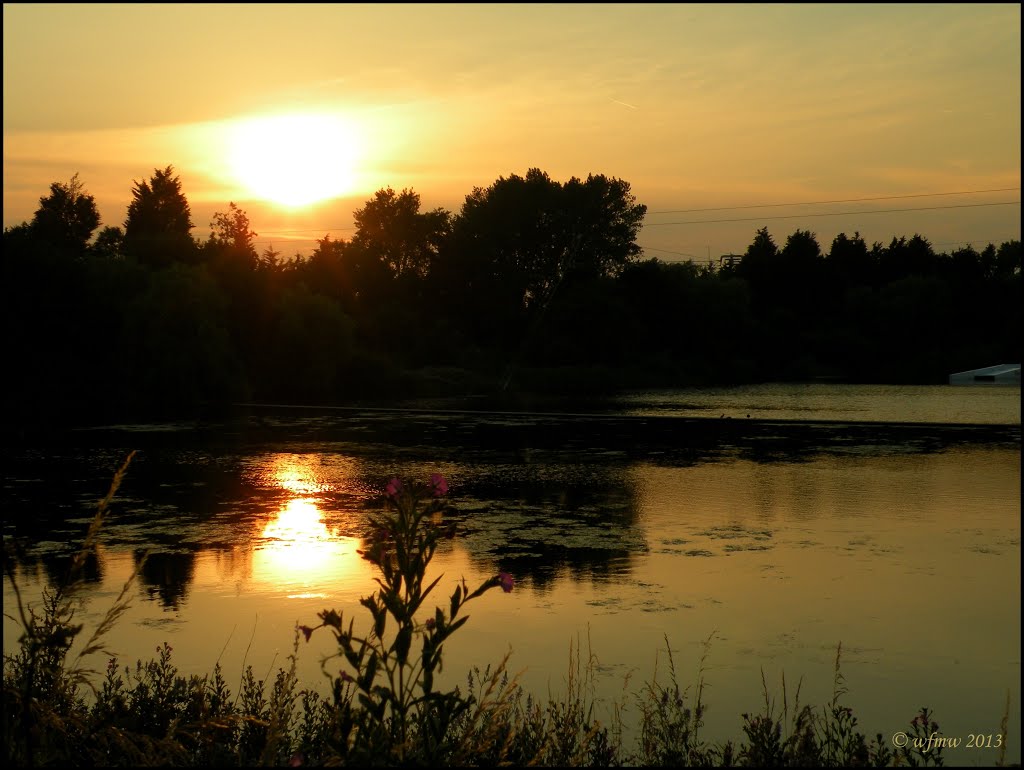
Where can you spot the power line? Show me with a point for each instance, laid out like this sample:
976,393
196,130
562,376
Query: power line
843,200
737,208
669,251
831,214
287,241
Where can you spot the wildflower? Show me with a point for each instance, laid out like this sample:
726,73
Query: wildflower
381,534
307,631
430,623
331,618
393,489
344,676
438,485
506,581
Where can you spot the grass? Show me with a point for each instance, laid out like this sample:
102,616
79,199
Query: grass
58,711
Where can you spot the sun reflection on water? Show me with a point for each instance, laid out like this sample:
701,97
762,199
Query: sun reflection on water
297,552
297,474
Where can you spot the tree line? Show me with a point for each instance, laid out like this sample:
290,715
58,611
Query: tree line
533,285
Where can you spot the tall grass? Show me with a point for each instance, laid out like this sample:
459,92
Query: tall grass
58,711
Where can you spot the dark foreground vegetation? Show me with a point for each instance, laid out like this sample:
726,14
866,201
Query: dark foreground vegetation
384,707
532,286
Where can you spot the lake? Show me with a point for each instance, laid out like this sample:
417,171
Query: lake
883,518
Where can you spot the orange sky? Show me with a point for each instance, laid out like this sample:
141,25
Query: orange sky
696,106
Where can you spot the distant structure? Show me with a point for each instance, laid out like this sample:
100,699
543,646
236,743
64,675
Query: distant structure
729,259
1003,374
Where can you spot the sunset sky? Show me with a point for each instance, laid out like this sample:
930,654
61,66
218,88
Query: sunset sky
698,107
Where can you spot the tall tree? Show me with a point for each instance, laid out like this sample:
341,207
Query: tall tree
230,249
604,219
157,230
1008,259
849,259
528,234
391,230
232,229
760,259
66,218
905,258
326,271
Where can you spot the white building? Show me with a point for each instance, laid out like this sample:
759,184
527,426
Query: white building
1003,374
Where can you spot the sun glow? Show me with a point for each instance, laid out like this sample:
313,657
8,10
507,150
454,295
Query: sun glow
295,160
299,553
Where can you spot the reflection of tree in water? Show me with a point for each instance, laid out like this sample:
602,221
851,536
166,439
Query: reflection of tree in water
547,521
166,576
57,565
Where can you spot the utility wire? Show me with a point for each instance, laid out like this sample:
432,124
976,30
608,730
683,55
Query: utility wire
721,208
831,214
669,251
288,241
843,200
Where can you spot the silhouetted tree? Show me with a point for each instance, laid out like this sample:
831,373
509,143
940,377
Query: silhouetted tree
270,259
391,230
801,270
905,258
605,219
531,232
967,268
66,218
157,230
534,282
850,261
758,266
327,271
231,230
311,346
1008,259
109,243
231,258
801,251
516,242
759,258
177,347
229,250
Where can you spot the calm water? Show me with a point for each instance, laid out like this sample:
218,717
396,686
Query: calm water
887,519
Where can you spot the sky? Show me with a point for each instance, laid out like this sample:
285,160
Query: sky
724,118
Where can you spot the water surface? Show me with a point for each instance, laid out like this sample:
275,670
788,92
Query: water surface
761,543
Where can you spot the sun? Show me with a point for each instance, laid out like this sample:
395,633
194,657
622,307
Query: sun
294,160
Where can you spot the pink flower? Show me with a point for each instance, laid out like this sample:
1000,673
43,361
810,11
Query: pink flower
307,631
438,484
344,676
430,623
393,489
506,581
